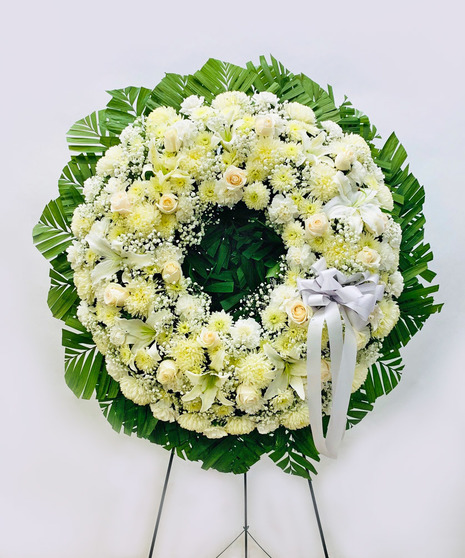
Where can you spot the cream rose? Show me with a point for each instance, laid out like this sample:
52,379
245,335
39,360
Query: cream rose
264,125
316,225
298,313
120,203
209,339
115,295
248,398
172,140
171,272
168,203
235,178
167,371
369,257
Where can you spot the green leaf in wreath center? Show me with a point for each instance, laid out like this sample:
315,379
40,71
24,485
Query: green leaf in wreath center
237,254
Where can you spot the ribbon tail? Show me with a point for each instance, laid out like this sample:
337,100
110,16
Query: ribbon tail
315,329
342,389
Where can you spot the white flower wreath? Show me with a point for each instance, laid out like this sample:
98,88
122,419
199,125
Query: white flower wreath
150,202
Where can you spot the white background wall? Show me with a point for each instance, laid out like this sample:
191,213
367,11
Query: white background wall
69,486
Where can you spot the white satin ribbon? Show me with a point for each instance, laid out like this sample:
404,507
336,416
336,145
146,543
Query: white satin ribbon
335,300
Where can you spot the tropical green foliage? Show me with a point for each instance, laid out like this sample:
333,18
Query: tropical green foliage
85,373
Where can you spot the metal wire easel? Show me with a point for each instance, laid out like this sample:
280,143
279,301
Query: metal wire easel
245,530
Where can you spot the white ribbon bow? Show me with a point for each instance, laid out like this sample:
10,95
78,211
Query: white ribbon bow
333,296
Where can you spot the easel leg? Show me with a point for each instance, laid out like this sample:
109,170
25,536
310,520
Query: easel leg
317,515
162,501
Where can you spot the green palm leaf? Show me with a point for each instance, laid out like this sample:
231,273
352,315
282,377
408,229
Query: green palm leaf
90,135
52,234
83,362
72,179
125,105
62,296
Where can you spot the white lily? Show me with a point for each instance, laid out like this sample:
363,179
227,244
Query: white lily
290,371
140,334
113,256
357,206
207,386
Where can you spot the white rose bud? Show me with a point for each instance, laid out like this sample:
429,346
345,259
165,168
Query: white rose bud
168,203
209,339
298,313
120,203
235,178
172,140
369,257
264,125
248,398
167,371
171,272
115,295
316,225
344,160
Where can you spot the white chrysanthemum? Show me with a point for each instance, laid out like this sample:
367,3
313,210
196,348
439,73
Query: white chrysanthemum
115,369
82,221
256,196
189,307
323,181
273,318
384,318
187,353
113,158
283,400
141,297
283,178
135,390
239,425
229,99
300,257
256,370
246,333
396,282
293,234
296,418
297,111
194,422
83,282
185,209
163,410
282,210
220,321
360,375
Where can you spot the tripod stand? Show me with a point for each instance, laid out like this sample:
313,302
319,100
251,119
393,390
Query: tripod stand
245,530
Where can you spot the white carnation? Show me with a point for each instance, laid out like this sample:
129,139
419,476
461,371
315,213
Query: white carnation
300,257
191,103
282,210
246,333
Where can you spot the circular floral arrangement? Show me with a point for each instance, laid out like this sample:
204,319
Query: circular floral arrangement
187,244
